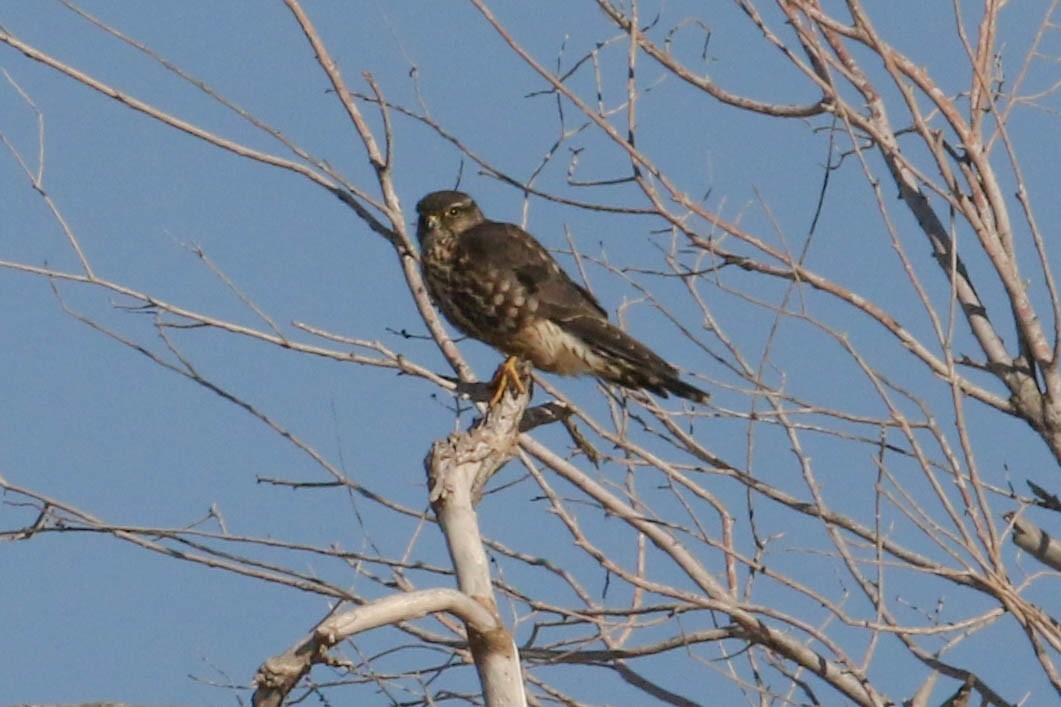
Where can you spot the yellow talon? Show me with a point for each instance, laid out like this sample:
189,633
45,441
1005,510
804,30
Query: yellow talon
507,374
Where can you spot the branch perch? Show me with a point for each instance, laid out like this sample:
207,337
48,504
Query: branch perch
279,675
458,468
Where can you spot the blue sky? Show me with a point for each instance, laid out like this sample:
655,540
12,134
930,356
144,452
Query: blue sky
98,426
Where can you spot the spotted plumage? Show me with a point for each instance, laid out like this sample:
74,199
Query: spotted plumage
496,283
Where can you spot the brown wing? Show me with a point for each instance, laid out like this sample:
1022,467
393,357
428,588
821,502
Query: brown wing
582,340
506,247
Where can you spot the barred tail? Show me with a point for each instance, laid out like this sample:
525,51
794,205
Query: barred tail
624,360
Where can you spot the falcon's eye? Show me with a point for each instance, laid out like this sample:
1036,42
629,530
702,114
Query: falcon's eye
453,211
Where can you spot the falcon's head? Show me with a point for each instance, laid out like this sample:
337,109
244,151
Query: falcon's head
446,213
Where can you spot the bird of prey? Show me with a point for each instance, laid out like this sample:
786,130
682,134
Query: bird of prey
496,283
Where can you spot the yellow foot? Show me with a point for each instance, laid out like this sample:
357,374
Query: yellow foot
507,374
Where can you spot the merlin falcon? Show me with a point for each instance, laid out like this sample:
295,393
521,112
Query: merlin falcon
496,283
